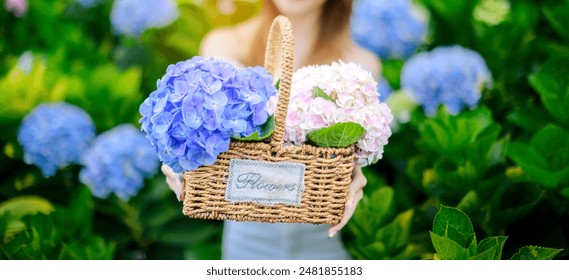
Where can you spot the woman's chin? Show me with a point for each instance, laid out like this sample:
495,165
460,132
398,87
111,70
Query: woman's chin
295,8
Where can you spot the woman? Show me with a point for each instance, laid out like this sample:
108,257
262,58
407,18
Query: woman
321,35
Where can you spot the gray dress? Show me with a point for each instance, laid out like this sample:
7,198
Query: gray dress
279,241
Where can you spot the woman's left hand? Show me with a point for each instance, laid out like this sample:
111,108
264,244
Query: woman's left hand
356,193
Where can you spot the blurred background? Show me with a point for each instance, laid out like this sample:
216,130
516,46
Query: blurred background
479,90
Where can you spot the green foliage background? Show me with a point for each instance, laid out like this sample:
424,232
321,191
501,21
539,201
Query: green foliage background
502,168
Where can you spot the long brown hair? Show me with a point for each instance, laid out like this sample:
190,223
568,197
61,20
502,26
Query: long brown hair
334,22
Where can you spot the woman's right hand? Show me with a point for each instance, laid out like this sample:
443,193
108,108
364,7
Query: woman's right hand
173,182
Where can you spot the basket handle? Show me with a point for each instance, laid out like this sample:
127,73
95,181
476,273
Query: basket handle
281,36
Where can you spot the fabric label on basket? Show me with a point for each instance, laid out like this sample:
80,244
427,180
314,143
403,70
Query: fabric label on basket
263,182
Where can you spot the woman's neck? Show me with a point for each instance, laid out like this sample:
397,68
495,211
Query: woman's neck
306,30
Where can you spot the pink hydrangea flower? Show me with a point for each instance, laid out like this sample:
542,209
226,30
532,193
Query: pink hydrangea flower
356,99
18,7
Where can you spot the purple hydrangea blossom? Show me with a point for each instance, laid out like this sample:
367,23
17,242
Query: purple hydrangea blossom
133,17
55,135
118,162
452,76
199,104
392,29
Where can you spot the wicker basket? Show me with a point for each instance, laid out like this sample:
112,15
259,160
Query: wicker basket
327,172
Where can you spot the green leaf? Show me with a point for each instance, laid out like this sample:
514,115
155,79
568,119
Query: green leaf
546,158
451,178
480,152
490,248
278,84
557,17
492,12
374,250
339,135
183,232
373,212
469,202
565,192
40,239
318,92
453,224
536,253
552,84
456,11
532,163
111,96
25,205
524,155
94,248
16,208
79,213
22,92
448,249
552,142
267,130
512,202
531,118
375,180
396,235
453,136
382,203
204,251
157,213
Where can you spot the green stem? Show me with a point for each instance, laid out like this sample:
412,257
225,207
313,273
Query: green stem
131,220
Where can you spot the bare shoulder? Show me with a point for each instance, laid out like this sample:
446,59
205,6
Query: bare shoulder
229,42
215,42
363,57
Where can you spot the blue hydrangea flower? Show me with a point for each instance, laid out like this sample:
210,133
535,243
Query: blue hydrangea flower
118,162
198,105
55,135
133,17
384,89
392,29
451,75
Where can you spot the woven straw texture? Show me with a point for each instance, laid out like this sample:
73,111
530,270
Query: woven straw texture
327,175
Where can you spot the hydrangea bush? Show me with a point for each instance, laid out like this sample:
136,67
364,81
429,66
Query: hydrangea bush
389,28
199,104
118,162
452,76
55,135
354,98
133,17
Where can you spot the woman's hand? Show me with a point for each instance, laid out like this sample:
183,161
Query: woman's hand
173,181
356,193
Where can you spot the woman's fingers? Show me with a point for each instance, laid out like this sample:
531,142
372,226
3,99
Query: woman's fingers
172,179
359,181
348,213
354,196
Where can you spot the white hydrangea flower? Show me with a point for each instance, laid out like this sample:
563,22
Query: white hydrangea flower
356,99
